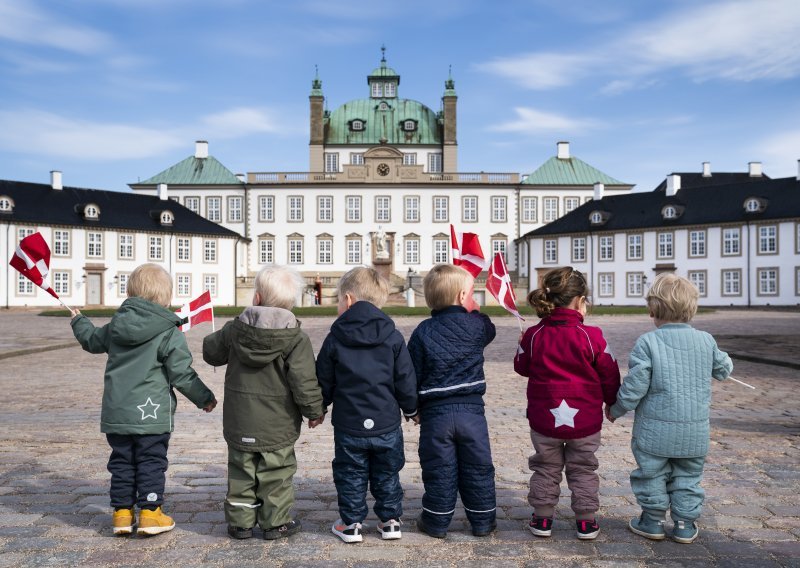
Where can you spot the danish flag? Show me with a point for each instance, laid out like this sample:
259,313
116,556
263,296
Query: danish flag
32,260
197,311
499,284
467,251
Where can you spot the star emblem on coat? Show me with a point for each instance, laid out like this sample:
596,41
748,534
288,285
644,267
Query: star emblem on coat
149,409
564,414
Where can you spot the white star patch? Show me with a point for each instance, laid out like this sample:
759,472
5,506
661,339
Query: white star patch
147,407
564,414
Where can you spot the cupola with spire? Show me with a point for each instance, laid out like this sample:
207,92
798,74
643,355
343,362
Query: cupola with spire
383,81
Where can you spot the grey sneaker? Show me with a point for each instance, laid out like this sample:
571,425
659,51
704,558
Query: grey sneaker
649,526
685,531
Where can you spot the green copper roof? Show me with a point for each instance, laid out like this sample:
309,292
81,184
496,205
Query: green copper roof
195,171
383,125
569,171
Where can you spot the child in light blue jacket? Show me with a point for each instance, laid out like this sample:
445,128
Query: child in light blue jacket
669,387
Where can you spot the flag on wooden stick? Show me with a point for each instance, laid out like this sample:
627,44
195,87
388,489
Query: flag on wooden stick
498,282
467,251
197,311
32,260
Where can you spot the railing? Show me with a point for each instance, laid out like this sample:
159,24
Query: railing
450,178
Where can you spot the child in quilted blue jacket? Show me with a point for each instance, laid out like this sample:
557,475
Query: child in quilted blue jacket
669,387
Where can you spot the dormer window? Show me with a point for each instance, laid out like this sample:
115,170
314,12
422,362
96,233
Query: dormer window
91,211
596,218
167,217
754,205
389,90
409,125
669,212
377,90
6,204
357,125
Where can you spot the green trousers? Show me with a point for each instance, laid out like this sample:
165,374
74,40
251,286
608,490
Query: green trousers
260,488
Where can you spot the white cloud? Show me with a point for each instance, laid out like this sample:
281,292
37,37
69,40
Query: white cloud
532,121
780,153
238,122
541,71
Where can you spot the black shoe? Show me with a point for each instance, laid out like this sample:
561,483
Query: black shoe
239,533
423,528
485,532
284,531
541,526
588,530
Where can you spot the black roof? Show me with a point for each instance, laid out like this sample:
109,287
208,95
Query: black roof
712,205
38,203
695,179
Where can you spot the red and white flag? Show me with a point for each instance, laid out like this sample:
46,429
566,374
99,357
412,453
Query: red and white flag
467,251
197,311
32,260
498,282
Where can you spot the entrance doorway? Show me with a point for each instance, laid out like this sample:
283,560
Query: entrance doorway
94,289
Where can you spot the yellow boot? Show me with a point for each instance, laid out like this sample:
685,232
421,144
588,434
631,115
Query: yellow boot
154,522
123,521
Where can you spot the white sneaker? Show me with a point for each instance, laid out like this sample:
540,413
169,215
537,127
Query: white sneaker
348,533
390,530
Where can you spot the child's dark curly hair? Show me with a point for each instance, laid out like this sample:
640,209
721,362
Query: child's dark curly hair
559,286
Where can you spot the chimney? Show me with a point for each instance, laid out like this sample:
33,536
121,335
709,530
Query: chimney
162,191
201,149
598,191
563,150
673,184
55,180
706,169
755,169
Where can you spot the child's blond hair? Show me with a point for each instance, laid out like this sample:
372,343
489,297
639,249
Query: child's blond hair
672,298
443,284
278,286
150,282
364,284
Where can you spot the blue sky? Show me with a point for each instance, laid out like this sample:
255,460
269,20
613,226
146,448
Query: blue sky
112,91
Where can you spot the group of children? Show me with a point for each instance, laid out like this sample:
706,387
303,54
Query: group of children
371,378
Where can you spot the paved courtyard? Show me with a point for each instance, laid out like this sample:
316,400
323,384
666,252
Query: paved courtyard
53,482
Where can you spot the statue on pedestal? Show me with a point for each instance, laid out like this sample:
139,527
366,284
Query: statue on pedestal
381,245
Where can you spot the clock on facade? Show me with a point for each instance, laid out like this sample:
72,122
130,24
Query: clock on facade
383,169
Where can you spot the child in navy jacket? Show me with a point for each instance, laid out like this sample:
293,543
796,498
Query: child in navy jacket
454,451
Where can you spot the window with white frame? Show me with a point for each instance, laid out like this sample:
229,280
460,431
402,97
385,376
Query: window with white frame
325,209
732,282
409,159
606,247
60,242
697,243
441,209
209,250
665,249
331,162
635,284
353,203
411,250
606,284
767,281
499,245
167,218
295,251
6,204
61,282
529,214
353,251
550,251
214,209
357,125
24,286
235,209
91,212
295,208
409,125
767,239
125,246
357,159
377,89
441,251
192,204
23,232
183,287
184,249
388,90
469,208
698,278
266,209
94,245
155,249
411,207
383,211
579,249
324,251
550,205
210,283
635,247
122,283
731,241
571,203
498,209
435,163
266,251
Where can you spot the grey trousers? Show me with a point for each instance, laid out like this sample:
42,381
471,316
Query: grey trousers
577,459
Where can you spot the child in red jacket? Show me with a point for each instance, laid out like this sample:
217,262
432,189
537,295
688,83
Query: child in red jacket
571,373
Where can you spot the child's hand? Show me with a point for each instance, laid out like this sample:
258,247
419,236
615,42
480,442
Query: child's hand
74,313
210,406
608,414
415,419
314,422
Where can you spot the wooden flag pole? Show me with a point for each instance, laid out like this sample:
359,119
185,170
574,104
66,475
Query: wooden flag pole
742,383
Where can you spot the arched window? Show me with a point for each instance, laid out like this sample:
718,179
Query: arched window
167,218
6,204
669,212
91,211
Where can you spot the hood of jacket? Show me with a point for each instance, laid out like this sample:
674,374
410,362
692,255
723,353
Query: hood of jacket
362,325
261,334
138,321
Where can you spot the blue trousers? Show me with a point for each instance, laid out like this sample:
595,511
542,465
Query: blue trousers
137,465
374,460
662,484
456,459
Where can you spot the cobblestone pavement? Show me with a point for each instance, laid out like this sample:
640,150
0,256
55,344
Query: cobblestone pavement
53,482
